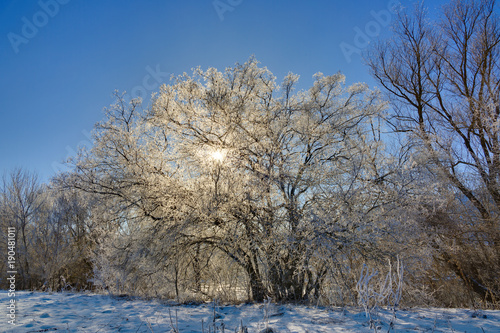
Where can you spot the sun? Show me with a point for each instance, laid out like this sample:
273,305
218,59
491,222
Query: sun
218,155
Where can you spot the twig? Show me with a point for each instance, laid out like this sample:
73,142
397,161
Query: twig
175,328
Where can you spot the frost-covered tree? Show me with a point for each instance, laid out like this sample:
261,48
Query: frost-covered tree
444,79
231,169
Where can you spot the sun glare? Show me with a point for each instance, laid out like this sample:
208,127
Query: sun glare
218,156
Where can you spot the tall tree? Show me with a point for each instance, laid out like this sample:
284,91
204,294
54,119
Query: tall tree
444,80
266,177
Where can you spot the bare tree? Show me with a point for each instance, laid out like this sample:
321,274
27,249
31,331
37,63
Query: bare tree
21,201
444,79
53,229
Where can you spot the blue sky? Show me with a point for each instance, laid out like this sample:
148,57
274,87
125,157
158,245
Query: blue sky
61,60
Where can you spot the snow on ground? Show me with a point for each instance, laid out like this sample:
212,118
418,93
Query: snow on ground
70,312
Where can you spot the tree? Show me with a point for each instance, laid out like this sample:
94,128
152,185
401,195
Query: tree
21,201
444,79
53,232
65,238
229,168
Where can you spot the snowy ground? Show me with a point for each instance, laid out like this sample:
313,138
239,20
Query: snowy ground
68,312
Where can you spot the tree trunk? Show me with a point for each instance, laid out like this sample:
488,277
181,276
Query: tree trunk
256,286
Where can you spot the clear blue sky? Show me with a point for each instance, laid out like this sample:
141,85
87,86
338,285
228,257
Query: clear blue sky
60,60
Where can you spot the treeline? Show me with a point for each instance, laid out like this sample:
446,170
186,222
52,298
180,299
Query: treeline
229,185
53,231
